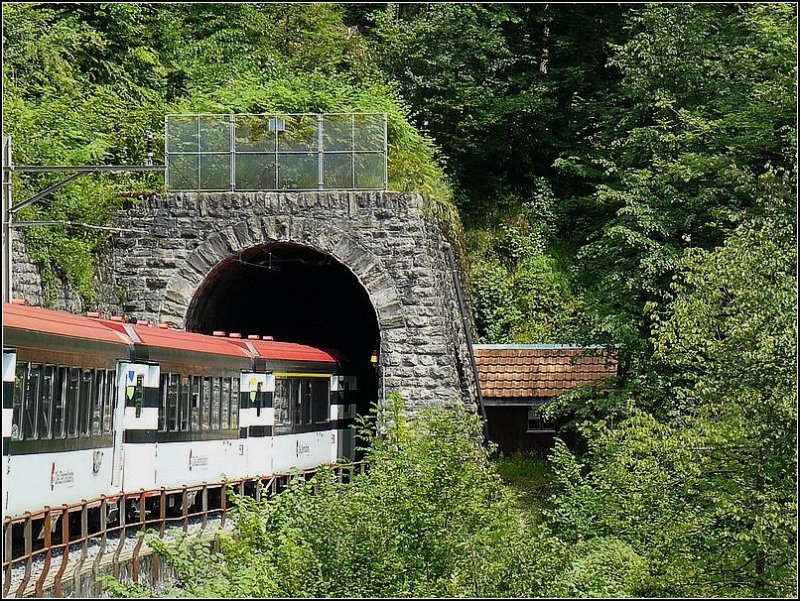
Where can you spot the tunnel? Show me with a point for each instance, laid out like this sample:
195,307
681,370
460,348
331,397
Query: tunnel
293,293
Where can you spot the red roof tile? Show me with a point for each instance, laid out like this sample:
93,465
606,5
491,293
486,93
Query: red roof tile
507,371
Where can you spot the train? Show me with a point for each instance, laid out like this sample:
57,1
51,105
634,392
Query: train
98,407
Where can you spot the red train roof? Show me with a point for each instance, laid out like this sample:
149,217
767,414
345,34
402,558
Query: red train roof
178,339
203,343
287,351
36,319
58,323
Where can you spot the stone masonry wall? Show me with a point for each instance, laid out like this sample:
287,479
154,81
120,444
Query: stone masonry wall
30,285
394,243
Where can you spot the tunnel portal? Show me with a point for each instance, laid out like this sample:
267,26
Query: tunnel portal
350,271
293,293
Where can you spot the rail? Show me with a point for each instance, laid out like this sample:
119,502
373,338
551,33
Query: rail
137,511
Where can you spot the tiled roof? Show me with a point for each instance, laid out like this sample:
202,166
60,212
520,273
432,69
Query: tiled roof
541,371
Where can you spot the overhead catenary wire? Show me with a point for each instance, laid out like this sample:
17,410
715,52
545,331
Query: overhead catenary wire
77,224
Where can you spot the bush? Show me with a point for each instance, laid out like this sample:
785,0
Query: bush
431,518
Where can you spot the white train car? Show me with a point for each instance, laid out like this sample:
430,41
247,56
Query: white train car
60,379
97,407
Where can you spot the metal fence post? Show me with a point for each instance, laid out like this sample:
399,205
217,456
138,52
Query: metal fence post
385,151
320,158
277,143
352,151
232,125
166,152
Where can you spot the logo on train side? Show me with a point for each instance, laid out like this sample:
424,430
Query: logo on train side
197,460
59,477
97,461
130,388
301,449
253,388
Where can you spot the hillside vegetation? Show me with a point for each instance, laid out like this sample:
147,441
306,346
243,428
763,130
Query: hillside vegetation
627,175
84,83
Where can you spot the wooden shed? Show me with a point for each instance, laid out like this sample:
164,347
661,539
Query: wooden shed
517,379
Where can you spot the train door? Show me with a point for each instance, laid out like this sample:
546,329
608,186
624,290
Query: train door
9,371
343,414
135,426
256,420
119,432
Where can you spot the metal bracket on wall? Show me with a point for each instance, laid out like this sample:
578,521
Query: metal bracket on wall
81,170
10,210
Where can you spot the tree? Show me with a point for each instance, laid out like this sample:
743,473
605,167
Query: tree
705,107
498,87
708,494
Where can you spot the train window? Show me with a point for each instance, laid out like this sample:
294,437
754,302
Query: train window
98,398
162,404
86,403
20,387
30,409
297,402
205,404
73,381
173,399
234,402
306,387
109,402
168,404
280,401
225,409
194,409
185,403
59,399
49,395
216,403
320,399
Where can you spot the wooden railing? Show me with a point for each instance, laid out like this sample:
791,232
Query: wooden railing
33,543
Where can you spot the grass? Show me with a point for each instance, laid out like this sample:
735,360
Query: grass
531,476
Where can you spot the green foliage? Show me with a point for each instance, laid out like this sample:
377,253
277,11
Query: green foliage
520,468
520,291
492,299
694,270
689,499
532,477
498,86
705,108
684,151
83,83
603,568
708,493
732,329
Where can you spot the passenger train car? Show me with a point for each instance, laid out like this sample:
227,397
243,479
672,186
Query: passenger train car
97,407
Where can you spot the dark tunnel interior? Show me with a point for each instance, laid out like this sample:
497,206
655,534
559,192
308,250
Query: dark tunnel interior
295,294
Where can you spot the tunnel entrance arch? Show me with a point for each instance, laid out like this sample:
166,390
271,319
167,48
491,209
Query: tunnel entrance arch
296,279
292,292
180,269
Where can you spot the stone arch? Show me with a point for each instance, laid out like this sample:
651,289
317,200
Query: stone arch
323,237
388,250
